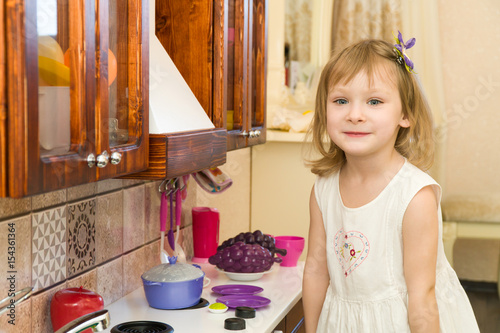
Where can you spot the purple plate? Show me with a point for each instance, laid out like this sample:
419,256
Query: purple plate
237,289
253,301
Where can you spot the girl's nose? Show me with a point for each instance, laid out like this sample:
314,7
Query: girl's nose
355,114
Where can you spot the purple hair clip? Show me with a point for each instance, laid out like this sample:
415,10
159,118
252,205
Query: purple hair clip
400,48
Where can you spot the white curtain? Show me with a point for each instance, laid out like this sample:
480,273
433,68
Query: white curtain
420,19
321,32
298,28
354,20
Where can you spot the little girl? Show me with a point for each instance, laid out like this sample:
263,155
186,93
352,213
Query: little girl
375,260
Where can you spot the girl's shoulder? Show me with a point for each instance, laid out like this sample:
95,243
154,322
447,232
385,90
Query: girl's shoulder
326,181
412,180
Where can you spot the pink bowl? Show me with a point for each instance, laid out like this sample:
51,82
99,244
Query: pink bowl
294,246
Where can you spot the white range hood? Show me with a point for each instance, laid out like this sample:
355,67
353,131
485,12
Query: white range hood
172,105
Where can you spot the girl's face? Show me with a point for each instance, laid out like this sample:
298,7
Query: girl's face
363,119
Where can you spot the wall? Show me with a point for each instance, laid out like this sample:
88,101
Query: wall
281,186
102,236
470,39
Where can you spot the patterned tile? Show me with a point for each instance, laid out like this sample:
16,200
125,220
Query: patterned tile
81,237
49,247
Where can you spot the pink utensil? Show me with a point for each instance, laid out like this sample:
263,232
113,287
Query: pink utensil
163,222
170,234
179,252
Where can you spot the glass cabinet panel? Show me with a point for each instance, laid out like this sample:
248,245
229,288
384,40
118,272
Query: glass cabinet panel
54,77
258,61
235,60
118,75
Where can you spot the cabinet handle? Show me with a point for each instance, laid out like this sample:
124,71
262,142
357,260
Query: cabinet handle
116,157
244,133
91,160
254,134
102,160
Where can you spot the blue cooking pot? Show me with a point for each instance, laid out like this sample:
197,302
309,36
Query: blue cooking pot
174,286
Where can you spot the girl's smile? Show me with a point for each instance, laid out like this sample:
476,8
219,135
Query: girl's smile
356,134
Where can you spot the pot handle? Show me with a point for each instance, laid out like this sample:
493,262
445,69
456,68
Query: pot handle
151,283
206,281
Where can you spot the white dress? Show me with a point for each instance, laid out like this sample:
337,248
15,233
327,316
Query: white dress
367,291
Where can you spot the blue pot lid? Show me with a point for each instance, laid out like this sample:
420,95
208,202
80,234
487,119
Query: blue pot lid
173,273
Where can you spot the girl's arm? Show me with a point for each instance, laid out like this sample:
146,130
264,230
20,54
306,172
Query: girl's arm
316,278
420,243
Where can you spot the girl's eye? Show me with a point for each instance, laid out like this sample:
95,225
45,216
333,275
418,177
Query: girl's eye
340,101
374,102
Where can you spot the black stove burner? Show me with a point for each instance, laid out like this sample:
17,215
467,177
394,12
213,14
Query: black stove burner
142,327
203,302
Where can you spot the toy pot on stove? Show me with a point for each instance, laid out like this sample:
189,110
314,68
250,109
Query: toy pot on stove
205,233
174,286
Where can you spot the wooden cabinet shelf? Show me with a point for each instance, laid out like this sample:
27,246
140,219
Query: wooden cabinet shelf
177,154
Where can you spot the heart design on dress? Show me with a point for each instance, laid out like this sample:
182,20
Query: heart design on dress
351,248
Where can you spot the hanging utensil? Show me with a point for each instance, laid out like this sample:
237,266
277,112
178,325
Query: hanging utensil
163,222
170,234
179,252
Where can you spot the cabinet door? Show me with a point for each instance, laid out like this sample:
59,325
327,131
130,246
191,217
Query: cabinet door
257,41
50,57
122,107
246,72
77,91
3,109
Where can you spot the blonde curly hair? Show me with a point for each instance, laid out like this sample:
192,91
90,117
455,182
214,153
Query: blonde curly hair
416,142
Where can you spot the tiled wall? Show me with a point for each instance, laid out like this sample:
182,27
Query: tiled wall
101,236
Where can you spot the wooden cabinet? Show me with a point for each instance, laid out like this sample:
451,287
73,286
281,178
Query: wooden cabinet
77,92
293,321
3,108
220,49
246,23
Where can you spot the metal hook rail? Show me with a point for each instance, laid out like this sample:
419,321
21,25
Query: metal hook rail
171,186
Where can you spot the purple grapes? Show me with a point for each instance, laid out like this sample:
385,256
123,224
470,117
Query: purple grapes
256,237
243,258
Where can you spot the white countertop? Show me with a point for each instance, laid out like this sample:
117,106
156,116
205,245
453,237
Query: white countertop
283,286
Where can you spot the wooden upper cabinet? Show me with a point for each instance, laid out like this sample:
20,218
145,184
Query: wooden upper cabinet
219,48
77,92
245,115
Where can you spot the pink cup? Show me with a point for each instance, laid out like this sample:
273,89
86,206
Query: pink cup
294,246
